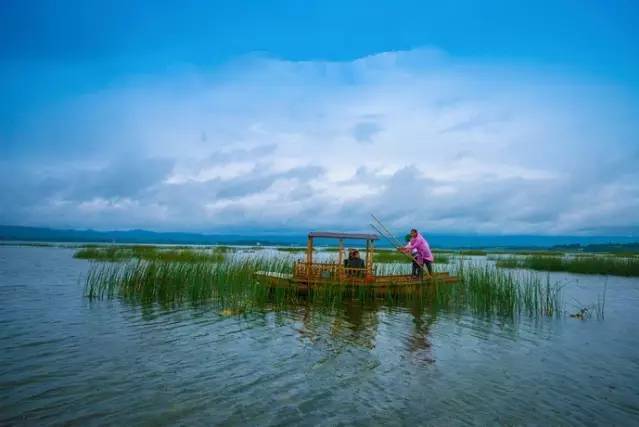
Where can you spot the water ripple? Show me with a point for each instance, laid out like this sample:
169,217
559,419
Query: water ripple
67,360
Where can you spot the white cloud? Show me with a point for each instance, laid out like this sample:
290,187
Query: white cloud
417,137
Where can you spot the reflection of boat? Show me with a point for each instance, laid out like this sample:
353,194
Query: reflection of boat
308,273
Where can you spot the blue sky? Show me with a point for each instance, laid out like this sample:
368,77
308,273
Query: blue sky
486,117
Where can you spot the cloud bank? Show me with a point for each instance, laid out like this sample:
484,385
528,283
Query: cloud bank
417,137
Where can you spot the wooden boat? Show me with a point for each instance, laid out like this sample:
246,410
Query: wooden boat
308,273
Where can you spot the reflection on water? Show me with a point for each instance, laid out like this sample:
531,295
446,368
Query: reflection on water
66,359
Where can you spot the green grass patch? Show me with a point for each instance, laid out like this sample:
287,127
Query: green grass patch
392,256
584,265
291,249
149,253
477,252
232,287
111,253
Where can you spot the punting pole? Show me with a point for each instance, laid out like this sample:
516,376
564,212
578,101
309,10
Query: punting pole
390,240
394,239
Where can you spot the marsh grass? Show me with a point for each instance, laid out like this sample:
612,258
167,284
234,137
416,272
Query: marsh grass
231,286
488,291
625,254
150,253
169,282
584,265
109,253
392,256
540,253
477,252
291,249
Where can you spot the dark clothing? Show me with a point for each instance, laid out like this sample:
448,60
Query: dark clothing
419,272
355,263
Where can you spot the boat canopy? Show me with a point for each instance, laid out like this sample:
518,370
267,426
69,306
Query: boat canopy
347,236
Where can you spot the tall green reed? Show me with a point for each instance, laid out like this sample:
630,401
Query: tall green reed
598,264
231,284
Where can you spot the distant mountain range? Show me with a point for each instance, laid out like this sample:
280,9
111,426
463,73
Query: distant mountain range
40,234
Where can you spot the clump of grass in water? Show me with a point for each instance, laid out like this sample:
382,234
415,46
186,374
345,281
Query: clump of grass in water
477,252
109,253
584,265
291,249
150,253
166,282
486,290
231,286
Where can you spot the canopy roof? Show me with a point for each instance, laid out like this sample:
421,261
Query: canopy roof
352,236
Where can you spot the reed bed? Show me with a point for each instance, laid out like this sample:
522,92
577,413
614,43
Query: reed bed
540,253
487,290
476,252
231,286
169,282
291,249
599,264
389,256
150,253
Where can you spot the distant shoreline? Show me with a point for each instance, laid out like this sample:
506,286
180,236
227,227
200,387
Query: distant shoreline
39,236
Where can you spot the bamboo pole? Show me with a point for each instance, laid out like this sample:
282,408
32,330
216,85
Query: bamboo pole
389,236
397,243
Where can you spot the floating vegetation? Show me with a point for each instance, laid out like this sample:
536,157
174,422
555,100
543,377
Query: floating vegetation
149,253
585,265
232,287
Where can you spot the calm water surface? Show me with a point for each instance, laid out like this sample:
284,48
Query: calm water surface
68,360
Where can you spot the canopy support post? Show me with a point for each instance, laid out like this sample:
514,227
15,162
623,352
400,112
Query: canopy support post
370,248
340,259
309,257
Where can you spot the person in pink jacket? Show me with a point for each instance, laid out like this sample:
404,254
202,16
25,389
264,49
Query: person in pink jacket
419,249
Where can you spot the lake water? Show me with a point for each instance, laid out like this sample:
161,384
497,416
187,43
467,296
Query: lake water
67,360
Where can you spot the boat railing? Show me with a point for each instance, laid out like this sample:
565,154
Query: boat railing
329,271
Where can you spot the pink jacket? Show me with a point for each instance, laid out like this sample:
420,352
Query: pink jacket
423,250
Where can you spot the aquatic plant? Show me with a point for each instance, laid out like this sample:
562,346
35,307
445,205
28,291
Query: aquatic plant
232,286
291,249
625,254
229,284
487,290
392,256
540,252
108,253
472,252
143,252
585,265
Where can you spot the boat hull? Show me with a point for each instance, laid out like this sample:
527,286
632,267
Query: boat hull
380,284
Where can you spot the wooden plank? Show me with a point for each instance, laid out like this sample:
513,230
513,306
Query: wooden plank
336,235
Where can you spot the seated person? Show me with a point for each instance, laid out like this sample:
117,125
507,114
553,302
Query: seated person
354,261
